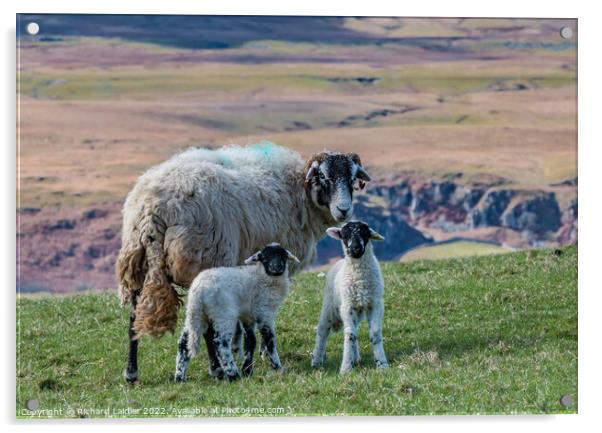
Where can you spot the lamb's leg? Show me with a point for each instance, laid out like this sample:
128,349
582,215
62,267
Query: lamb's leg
214,368
350,321
237,348
322,333
131,371
268,334
183,358
250,343
375,320
223,343
355,345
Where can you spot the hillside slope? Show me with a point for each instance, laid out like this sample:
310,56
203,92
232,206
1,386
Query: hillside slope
493,334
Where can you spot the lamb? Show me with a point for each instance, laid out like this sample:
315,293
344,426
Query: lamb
207,208
353,291
221,297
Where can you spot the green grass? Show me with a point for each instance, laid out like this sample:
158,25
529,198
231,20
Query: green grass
449,250
487,335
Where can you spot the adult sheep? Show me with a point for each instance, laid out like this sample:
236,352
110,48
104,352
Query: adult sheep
207,208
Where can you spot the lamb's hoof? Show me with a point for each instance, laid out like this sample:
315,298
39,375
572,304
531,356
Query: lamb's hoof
233,377
130,376
247,371
382,365
178,378
217,373
345,370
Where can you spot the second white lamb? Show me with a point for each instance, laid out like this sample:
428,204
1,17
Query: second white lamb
353,292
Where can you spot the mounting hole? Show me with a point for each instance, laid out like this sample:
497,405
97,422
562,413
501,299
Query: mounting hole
566,400
33,29
566,33
32,404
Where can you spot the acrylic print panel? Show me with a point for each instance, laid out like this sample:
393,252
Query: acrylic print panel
465,135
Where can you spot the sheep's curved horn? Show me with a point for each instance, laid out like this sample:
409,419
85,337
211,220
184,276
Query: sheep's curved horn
313,169
363,174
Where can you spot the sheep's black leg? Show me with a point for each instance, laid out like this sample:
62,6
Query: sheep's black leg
268,334
214,368
131,371
183,358
250,343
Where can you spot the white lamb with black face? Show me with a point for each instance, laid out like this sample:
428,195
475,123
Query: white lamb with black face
353,292
221,297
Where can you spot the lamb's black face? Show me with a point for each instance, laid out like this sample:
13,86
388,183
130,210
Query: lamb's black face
355,236
273,257
331,179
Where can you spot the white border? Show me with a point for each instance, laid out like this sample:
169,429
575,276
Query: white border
590,103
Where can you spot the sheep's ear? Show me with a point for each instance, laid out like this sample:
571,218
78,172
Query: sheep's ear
375,236
291,256
254,258
313,169
334,232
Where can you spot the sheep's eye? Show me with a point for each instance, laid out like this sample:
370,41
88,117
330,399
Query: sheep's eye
321,176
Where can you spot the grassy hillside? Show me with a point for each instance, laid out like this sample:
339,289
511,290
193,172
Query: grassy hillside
460,248
494,334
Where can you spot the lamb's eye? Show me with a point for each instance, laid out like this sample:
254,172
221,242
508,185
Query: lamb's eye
321,176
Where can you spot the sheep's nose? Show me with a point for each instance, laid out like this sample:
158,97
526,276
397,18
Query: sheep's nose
343,211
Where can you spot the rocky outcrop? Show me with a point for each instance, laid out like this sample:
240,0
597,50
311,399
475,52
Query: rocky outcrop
525,217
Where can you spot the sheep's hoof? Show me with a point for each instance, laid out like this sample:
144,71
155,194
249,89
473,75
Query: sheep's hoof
130,376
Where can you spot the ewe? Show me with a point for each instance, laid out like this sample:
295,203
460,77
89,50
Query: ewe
221,297
353,291
207,208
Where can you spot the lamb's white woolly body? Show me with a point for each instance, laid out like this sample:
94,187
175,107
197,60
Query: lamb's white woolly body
353,292
218,299
223,296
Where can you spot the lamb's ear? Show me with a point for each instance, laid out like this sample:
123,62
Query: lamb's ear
375,236
254,258
313,169
291,256
334,232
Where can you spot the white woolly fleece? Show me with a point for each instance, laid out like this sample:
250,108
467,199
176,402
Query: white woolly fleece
223,296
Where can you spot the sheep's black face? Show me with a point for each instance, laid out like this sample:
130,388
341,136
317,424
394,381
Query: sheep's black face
273,257
331,179
355,236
